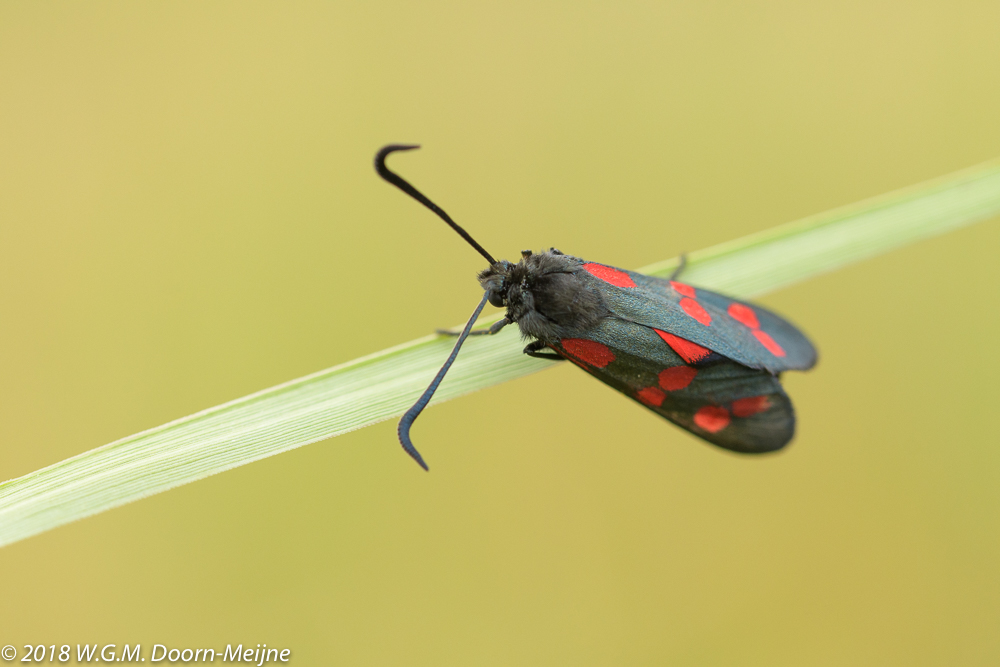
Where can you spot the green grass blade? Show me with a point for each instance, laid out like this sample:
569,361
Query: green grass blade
383,385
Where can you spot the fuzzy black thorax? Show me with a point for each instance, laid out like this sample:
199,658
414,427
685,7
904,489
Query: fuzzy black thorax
544,294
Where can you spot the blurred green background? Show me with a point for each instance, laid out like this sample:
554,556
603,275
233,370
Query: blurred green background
188,213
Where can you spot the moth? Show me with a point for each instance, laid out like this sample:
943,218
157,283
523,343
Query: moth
704,361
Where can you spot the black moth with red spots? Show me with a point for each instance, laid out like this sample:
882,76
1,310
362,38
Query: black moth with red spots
706,362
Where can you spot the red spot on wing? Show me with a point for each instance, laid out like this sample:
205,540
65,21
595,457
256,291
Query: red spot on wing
695,310
681,288
651,396
743,315
591,351
677,377
688,351
747,407
609,274
768,342
712,418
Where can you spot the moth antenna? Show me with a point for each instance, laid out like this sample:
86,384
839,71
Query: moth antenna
407,420
403,185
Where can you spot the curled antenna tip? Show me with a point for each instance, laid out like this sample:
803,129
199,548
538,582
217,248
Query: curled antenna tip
391,148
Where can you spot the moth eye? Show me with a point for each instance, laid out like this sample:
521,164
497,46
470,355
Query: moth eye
496,299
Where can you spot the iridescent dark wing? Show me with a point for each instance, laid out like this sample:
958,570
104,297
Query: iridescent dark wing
745,333
726,403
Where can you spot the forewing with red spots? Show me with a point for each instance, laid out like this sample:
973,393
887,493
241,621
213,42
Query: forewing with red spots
726,403
746,333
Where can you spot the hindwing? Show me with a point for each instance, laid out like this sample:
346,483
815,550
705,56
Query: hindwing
726,403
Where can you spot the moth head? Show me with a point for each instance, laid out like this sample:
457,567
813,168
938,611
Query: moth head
496,281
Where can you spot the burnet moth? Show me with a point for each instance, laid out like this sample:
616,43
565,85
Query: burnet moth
704,361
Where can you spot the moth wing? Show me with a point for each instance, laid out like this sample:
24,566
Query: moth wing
746,333
728,404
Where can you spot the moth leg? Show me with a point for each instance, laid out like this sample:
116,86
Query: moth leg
532,350
680,267
495,327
